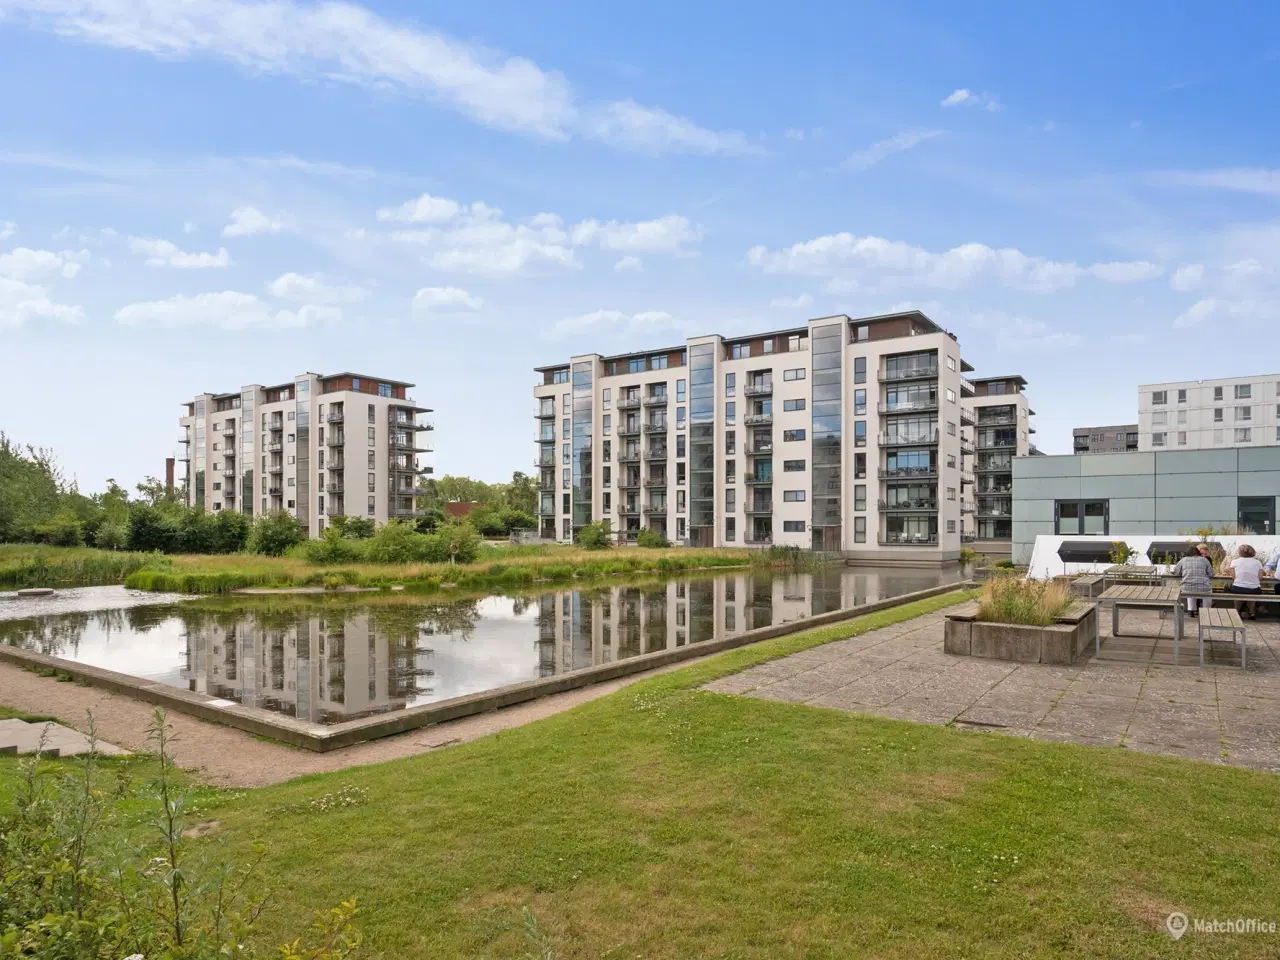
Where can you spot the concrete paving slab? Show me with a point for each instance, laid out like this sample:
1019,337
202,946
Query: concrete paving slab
51,739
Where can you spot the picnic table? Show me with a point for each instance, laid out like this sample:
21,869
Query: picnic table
1153,597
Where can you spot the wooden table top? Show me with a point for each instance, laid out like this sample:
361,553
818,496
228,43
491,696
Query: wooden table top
1164,593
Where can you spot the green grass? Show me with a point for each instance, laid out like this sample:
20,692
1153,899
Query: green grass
668,821
31,565
8,713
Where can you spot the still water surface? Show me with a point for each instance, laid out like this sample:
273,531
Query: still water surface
328,659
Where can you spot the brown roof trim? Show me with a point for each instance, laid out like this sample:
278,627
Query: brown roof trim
361,376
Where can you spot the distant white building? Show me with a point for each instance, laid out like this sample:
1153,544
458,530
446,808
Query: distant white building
1203,414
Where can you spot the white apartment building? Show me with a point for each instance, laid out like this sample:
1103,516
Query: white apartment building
1004,431
844,435
1204,414
318,447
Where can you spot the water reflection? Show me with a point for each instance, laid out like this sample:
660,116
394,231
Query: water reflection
330,660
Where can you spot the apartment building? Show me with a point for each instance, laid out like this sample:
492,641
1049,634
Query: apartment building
1208,414
318,446
1113,439
1004,430
844,435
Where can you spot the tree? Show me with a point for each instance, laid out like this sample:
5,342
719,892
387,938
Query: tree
594,536
274,533
156,493
111,535
465,490
149,529
522,493
358,528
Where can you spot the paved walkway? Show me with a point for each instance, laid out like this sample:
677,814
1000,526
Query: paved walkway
51,739
1216,713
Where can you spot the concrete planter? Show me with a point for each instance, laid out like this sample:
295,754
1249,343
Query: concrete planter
966,636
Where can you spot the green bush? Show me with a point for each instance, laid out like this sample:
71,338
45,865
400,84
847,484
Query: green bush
648,537
63,530
150,529
274,533
452,542
111,535
330,547
358,528
396,542
594,536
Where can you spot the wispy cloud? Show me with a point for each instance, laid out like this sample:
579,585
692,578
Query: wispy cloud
629,125
964,97
248,221
227,309
445,300
869,157
615,321
164,253
1259,180
791,303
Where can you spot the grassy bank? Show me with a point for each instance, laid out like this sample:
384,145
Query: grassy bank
32,565
665,821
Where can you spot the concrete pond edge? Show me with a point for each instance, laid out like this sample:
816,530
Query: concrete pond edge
322,738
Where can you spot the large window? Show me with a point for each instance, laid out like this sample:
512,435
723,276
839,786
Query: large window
1075,517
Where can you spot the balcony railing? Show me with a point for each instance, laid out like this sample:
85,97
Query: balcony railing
336,439
546,509
657,400
335,416
922,438
966,418
908,540
968,538
408,423
992,467
335,488
908,506
763,540
275,491
660,427
276,426
758,509
625,510
995,419
275,447
909,406
996,444
760,480
228,471
335,463
893,473
967,388
758,389
228,429
655,508
276,468
629,403
966,506
915,372
545,413
629,431
652,454
758,419
545,462
403,511
629,457
994,512
760,450
628,483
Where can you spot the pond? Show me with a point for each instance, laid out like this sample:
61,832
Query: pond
327,659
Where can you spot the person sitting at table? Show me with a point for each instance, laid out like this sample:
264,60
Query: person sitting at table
1195,570
1246,569
1271,564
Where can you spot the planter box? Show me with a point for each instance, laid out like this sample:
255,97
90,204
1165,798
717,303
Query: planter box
1061,642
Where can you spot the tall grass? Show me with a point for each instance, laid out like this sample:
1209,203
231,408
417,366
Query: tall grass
27,565
1029,602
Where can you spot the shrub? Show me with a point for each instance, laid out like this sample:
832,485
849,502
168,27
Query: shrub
274,533
432,518
648,537
518,520
63,530
453,542
330,547
594,536
231,531
111,535
150,530
487,523
1030,602
396,542
358,528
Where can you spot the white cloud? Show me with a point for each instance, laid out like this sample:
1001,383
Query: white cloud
852,263
1016,335
794,133
967,98
1258,180
247,221
627,124
869,157
227,310
23,263
21,303
7,229
615,321
302,288
1187,277
664,235
629,263
445,300
1215,309
422,209
162,253
188,227
803,300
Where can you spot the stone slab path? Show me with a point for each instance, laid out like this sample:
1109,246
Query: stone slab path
1216,713
51,739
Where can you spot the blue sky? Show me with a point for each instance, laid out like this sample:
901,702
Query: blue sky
197,194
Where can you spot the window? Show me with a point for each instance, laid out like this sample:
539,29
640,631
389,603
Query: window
566,403
1244,435
860,496
859,433
1244,391
1076,517
680,501
1182,418
951,394
290,438
1244,413
607,502
730,534
1159,418
659,362
951,429
860,403
730,471
635,365
1217,414
370,508
292,459
861,332
793,343
1182,396
730,384
730,499
951,460
793,526
791,405
730,442
859,466
1182,438
372,416
1158,439
290,482
373,482
605,397
740,351
607,452
859,529
794,374
1217,393
951,363
373,435
951,493
792,466
565,428
680,472
319,504
679,391
607,478
608,424
290,414
793,496
730,411
680,418
680,445
564,498
217,485
1159,397
565,456
859,369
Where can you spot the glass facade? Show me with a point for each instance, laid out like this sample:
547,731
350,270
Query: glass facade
199,454
826,347
302,450
582,404
702,444
246,450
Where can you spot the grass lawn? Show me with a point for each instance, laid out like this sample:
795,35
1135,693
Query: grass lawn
667,821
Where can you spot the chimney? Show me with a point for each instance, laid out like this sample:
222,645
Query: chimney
168,475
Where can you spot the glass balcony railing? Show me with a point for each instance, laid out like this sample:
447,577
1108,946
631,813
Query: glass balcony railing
914,371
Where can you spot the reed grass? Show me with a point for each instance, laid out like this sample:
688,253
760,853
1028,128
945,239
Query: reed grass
29,565
1028,602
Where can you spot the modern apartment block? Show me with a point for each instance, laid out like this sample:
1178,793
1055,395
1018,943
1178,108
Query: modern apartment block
317,446
1003,432
1113,439
1204,414
844,435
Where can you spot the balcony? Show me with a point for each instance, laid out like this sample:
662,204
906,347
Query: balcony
968,538
658,400
764,389
762,540
760,450
993,467
966,446
997,444
629,403
921,372
632,430
275,447
408,423
628,510
335,417
967,506
996,419
652,454
228,471
908,506
995,512
228,429
546,509
628,483
911,473
545,462
336,439
758,419
660,427
276,426
758,508
546,413
966,418
758,480
909,540
408,512
335,463
276,468
656,509
909,406
629,456
275,491
407,445
921,439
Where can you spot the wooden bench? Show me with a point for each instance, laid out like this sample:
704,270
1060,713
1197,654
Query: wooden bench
1089,586
1224,619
